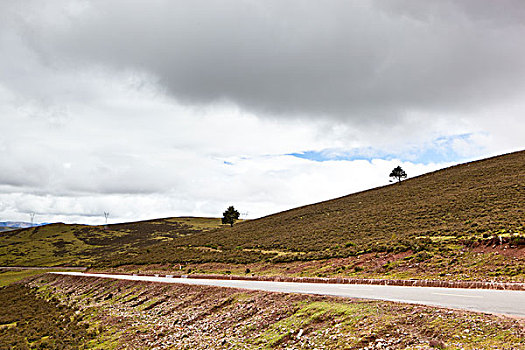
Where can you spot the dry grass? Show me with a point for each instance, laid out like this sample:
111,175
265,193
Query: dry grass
469,200
31,320
444,212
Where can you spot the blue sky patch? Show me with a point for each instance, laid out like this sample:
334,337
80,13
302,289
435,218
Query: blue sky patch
440,150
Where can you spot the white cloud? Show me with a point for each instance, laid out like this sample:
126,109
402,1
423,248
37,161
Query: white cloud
258,186
111,106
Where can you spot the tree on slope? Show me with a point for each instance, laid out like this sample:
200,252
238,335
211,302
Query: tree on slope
398,173
230,215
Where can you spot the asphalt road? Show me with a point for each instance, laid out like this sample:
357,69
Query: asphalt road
511,303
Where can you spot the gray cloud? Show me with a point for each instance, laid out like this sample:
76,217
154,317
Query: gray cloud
357,61
352,60
489,13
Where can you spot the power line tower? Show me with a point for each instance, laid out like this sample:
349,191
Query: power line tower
106,215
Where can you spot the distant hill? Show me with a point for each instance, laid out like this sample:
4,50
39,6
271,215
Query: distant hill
73,244
14,225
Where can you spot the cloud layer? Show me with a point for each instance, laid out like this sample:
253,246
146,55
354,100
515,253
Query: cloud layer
359,61
170,108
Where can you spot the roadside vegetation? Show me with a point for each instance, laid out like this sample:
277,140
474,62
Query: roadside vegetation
129,314
30,319
8,276
484,264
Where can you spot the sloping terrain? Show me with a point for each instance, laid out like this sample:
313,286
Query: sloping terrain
473,204
29,320
463,222
469,201
62,244
140,315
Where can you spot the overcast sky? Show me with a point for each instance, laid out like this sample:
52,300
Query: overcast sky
166,108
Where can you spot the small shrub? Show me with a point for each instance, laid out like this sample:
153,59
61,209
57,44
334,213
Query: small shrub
422,256
517,240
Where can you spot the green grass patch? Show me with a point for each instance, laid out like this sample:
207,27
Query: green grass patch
10,276
310,313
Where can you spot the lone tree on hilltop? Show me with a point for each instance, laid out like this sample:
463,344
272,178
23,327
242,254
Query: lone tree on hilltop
398,173
230,215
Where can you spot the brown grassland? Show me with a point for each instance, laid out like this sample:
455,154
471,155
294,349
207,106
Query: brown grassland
32,320
463,222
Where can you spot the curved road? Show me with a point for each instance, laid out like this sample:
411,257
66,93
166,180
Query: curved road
506,302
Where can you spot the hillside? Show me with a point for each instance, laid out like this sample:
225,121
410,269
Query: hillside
469,200
468,205
62,244
463,222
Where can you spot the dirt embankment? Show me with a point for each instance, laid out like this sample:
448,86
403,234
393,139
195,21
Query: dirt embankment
137,315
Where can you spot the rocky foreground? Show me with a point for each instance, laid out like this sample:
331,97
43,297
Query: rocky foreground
138,315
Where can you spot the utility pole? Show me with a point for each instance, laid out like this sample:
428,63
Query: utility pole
106,215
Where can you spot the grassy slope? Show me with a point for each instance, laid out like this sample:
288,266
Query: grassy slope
469,200
124,314
61,244
41,246
463,206
30,321
436,225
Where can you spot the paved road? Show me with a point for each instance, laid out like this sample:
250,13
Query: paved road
505,302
